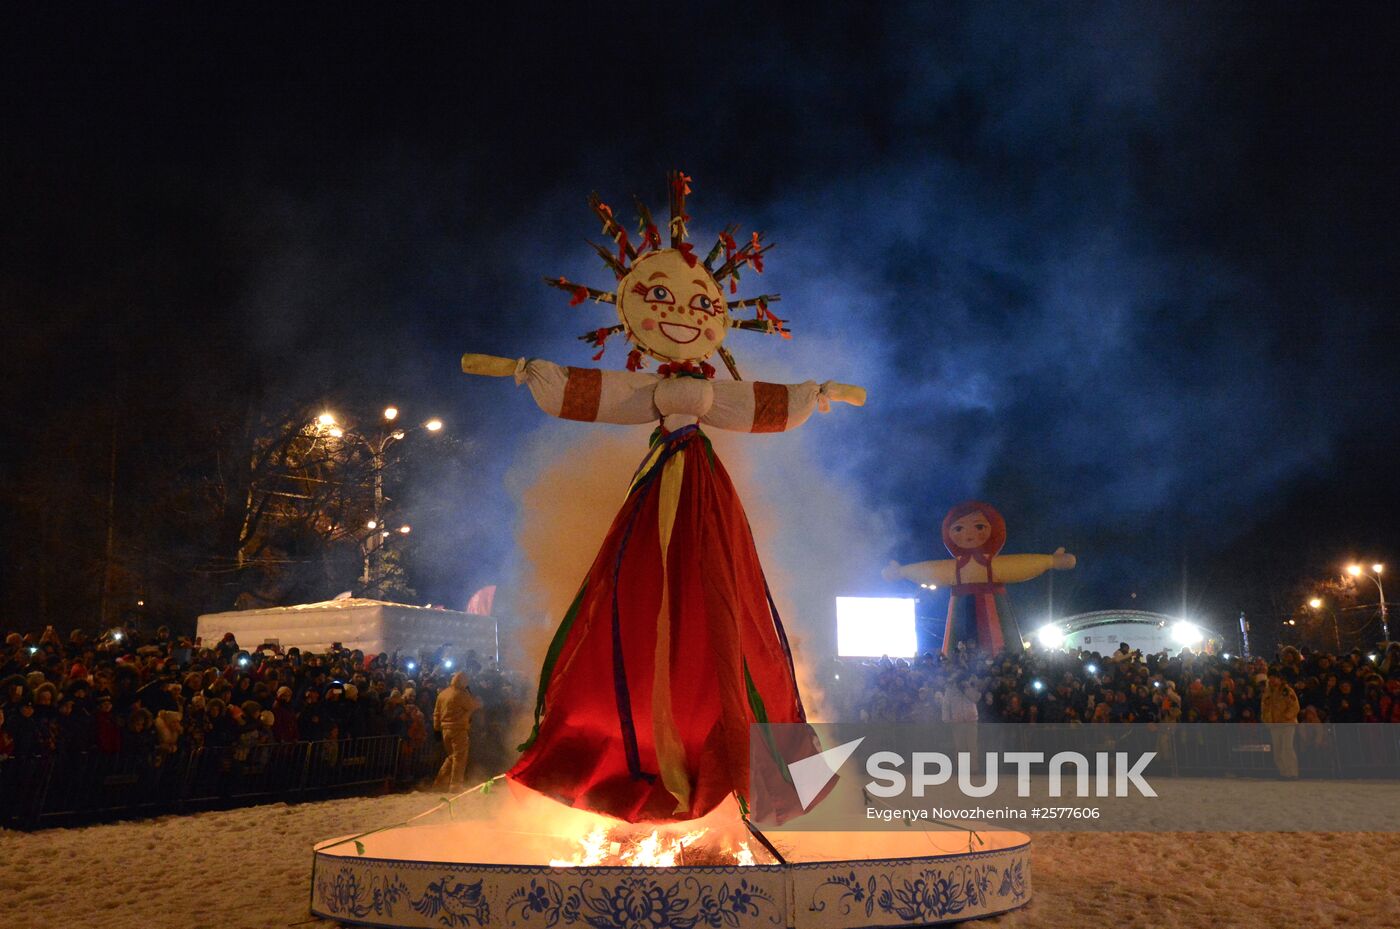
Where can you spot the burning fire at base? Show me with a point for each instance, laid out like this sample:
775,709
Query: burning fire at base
599,847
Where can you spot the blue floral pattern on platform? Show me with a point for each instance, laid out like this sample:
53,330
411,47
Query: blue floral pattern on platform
455,906
906,893
931,895
641,903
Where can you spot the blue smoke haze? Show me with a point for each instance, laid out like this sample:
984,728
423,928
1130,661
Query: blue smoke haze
1121,270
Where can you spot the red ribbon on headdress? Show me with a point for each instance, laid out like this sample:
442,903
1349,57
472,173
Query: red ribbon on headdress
756,259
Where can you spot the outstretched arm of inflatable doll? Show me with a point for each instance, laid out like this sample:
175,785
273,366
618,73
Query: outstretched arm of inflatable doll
585,394
1011,569
922,572
756,406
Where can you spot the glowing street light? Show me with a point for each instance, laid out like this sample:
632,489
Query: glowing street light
377,445
405,529
1316,604
1355,570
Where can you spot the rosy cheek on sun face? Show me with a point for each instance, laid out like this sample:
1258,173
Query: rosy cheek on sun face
649,323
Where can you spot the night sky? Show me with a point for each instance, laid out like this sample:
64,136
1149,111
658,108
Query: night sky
1127,270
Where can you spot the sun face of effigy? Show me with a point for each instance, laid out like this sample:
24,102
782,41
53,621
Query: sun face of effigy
671,308
670,302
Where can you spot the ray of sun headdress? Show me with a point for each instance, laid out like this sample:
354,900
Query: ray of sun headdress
671,304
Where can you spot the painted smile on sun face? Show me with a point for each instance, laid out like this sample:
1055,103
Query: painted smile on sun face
670,310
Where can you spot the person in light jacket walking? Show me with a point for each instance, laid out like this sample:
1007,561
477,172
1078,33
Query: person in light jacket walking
452,716
1278,708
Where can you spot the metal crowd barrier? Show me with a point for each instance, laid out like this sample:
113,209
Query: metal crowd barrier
40,791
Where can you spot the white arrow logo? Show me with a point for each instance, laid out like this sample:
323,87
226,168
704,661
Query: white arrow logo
811,775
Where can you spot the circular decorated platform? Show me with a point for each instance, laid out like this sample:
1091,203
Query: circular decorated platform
469,875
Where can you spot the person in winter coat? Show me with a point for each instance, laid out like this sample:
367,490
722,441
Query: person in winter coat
452,716
140,737
1345,704
227,648
107,727
415,726
169,727
284,718
31,734
312,724
74,731
1388,708
1278,709
221,729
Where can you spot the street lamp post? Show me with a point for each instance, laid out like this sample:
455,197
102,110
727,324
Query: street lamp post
1316,604
373,568
1355,570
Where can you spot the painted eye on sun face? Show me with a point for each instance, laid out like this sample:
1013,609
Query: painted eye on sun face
659,294
703,303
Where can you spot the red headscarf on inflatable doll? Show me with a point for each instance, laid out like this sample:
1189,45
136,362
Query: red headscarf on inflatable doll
990,548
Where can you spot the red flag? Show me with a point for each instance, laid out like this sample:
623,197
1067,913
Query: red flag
481,602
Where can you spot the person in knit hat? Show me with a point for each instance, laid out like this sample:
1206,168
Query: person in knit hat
284,718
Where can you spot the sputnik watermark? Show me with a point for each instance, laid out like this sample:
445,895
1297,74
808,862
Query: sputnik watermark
1112,773
1105,777
934,769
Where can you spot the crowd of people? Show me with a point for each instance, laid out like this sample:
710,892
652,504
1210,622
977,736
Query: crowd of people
155,697
1060,686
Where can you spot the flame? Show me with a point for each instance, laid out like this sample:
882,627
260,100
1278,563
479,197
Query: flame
653,851
591,851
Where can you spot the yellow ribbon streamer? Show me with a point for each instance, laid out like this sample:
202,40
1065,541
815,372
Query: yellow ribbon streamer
670,751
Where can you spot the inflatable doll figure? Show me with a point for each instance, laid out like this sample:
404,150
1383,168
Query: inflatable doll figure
672,646
978,612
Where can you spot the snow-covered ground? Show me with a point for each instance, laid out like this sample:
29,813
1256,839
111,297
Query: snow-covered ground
250,868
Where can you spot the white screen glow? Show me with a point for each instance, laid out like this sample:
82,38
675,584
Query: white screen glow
871,627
